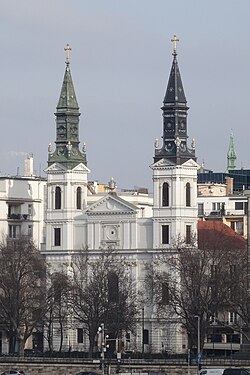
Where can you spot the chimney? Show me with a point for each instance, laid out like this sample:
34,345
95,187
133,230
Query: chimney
230,185
28,166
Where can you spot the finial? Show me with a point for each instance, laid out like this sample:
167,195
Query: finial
174,40
156,143
69,147
112,184
84,148
67,49
177,142
49,148
193,143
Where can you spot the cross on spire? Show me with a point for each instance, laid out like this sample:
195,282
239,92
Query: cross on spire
67,49
175,40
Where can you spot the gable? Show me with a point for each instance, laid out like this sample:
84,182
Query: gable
59,168
111,205
191,164
55,168
81,168
163,163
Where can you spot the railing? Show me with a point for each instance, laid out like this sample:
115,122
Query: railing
18,217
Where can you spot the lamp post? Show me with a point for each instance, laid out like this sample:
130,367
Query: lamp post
101,331
143,332
198,342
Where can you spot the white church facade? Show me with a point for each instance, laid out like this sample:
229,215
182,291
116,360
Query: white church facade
137,227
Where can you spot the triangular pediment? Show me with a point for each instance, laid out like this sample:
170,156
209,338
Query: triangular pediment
59,168
55,168
163,163
191,164
111,205
81,168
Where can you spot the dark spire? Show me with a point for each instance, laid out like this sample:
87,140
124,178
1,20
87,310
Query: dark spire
67,115
175,109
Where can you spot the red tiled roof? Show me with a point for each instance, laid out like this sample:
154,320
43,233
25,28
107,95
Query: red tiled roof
217,235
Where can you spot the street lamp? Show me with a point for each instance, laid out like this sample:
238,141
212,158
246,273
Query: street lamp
198,342
101,331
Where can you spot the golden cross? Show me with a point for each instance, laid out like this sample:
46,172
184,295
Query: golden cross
67,49
174,40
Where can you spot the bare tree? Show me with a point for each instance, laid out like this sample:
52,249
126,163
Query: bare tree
22,299
57,307
103,292
190,280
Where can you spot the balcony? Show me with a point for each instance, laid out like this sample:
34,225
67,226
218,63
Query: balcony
18,217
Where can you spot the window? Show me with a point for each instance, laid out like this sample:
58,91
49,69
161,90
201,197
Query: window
113,287
78,197
239,206
200,209
237,226
30,231
14,211
165,234
145,336
58,198
165,194
188,234
164,294
14,231
216,206
57,236
79,335
30,209
188,195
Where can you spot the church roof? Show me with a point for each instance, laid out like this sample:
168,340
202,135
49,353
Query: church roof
175,91
67,99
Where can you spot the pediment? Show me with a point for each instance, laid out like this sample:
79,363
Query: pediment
191,164
81,168
162,164
55,168
111,205
59,168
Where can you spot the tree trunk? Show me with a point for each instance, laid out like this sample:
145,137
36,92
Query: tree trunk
21,346
91,345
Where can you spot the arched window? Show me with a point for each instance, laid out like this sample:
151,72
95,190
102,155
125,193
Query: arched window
58,198
78,197
188,195
165,194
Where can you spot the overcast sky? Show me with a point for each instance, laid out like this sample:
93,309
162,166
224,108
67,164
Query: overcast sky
120,62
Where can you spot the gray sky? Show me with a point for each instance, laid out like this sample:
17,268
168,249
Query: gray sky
120,63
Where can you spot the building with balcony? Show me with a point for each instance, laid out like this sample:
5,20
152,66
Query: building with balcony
22,206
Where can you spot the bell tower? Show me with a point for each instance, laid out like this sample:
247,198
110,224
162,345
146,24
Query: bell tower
67,170
174,169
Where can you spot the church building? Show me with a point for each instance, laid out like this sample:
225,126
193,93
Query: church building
76,217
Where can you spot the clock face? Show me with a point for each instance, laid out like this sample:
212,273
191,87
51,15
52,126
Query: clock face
169,127
182,127
169,146
61,131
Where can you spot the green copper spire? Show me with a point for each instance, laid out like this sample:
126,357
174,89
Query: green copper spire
67,115
231,154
